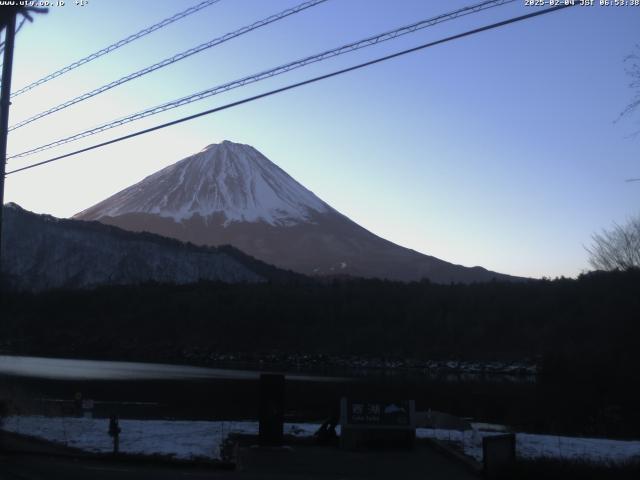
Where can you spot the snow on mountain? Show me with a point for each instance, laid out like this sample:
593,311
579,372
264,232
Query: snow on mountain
230,193
228,178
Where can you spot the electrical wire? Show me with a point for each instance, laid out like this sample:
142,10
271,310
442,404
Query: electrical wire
24,19
173,59
369,41
299,84
116,45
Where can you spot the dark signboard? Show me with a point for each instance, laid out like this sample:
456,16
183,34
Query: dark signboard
378,413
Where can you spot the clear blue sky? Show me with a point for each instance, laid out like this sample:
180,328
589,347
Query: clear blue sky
497,150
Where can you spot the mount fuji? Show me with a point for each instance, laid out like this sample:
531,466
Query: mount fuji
230,193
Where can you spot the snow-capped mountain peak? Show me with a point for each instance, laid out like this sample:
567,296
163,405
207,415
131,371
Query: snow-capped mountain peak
231,194
227,178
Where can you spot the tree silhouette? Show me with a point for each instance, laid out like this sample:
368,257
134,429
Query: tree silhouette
618,248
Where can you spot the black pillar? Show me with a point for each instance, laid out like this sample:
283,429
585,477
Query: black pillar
271,411
5,96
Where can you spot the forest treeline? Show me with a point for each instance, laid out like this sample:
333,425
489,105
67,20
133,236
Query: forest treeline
585,326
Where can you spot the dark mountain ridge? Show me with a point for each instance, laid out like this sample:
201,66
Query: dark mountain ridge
42,252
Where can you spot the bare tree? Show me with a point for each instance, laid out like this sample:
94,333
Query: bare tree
632,67
618,248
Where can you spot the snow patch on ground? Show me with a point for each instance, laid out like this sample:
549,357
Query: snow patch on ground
532,446
180,439
202,439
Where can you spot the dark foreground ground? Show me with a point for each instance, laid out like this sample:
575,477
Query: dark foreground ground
289,462
304,461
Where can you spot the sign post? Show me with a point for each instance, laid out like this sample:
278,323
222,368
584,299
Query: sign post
498,455
114,432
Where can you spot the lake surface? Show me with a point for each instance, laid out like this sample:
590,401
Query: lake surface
73,369
48,386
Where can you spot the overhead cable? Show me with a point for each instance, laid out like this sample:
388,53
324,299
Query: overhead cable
350,47
168,61
533,14
116,45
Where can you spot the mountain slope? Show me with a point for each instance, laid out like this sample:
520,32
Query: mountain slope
42,252
230,193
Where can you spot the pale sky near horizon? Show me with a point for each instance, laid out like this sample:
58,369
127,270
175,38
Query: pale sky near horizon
498,149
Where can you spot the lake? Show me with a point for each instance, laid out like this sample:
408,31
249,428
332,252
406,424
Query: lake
38,385
74,369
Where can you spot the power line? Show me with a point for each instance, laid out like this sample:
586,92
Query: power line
173,59
269,73
24,19
116,45
299,84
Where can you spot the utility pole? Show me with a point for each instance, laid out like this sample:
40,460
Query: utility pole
5,101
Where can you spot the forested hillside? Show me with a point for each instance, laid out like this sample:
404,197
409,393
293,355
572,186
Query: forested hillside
586,326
